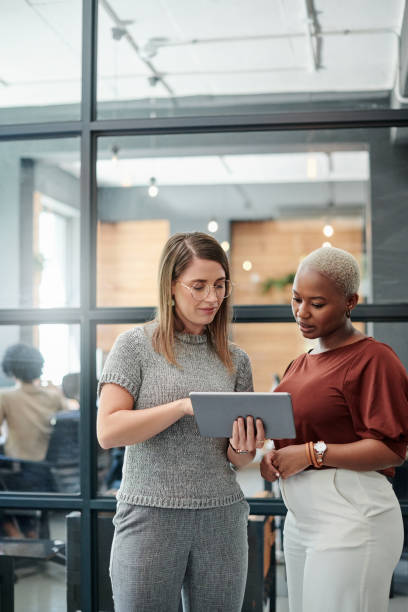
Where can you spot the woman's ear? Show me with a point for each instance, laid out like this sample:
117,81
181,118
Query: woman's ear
352,301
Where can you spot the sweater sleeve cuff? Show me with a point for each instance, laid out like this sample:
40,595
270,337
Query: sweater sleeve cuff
118,379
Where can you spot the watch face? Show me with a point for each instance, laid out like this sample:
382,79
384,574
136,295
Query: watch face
320,447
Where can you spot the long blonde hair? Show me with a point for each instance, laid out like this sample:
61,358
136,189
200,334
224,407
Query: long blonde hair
179,251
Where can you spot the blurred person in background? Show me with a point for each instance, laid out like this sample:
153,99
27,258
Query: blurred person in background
26,410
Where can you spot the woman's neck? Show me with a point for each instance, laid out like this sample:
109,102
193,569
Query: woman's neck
341,337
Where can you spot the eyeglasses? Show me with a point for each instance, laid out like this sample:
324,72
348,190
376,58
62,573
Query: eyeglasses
200,291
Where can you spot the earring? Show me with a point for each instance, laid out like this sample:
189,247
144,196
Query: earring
348,314
173,303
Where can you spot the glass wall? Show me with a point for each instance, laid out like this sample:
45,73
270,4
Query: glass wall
44,553
207,58
43,83
39,223
269,198
39,408
276,127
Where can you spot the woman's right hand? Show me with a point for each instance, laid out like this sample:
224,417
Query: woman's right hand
187,407
118,424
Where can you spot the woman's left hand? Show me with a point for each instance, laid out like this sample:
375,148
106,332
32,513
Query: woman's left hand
290,460
245,437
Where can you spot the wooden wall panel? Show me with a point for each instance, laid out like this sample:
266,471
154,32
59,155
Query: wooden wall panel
107,334
275,249
271,347
128,256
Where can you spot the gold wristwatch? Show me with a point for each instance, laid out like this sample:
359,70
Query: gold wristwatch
320,448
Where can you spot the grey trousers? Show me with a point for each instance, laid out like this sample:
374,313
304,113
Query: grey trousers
159,552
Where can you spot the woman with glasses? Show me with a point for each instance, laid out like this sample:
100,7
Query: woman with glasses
181,518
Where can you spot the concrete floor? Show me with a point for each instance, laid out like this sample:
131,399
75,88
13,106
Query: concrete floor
41,587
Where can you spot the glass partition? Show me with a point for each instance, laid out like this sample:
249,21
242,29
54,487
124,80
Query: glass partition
109,462
41,79
39,408
229,57
269,198
40,225
40,548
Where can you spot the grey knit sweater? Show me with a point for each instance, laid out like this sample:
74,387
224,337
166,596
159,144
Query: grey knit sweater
177,468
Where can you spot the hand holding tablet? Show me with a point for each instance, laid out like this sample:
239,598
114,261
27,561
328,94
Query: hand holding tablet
215,413
247,435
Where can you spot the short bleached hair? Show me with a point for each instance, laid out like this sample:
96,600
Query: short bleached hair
339,266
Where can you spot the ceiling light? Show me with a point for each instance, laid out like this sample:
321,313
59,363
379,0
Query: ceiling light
326,244
212,226
153,188
247,265
225,245
115,151
328,230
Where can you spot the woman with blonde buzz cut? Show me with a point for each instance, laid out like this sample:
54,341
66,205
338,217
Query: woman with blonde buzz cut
343,531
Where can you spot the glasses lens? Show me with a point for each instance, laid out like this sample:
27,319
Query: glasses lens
228,288
222,290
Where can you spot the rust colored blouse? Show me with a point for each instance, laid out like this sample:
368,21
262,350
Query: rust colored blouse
344,395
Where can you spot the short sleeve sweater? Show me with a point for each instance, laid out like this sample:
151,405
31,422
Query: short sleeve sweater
344,395
177,468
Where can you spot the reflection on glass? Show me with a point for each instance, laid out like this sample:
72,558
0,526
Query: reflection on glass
185,59
39,224
44,82
39,408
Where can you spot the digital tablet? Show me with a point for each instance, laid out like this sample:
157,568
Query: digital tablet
216,412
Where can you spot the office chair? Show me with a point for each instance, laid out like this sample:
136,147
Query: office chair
57,473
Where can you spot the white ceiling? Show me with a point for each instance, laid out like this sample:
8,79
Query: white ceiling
198,48
245,186
238,47
339,166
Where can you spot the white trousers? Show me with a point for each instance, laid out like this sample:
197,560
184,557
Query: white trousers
343,537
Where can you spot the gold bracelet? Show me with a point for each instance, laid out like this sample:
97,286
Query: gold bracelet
309,458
